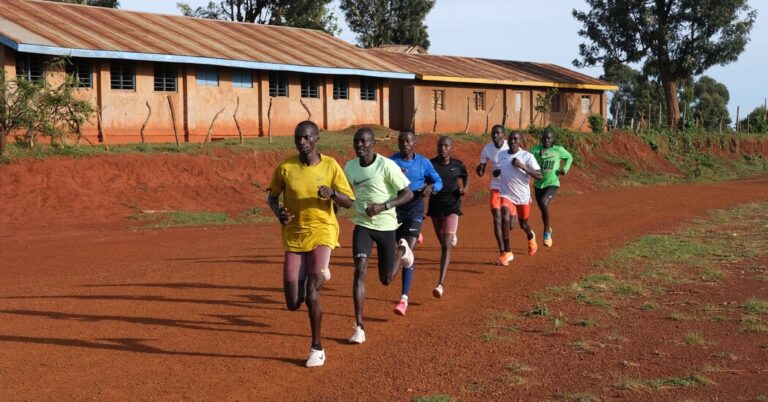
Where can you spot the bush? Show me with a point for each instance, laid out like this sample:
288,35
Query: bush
596,123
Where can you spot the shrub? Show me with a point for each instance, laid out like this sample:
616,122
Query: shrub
596,122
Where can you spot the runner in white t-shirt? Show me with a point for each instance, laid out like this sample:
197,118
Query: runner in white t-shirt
491,153
517,168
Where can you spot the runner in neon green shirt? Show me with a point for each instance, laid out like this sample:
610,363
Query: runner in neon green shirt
549,157
380,187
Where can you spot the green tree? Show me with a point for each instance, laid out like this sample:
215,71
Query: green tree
382,22
95,3
673,39
312,14
17,112
756,121
622,105
710,103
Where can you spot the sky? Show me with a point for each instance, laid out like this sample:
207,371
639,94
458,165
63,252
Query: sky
542,31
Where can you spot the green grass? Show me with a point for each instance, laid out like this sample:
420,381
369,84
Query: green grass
695,339
579,397
649,306
518,366
756,306
587,322
474,388
434,398
165,219
712,274
753,324
635,384
539,310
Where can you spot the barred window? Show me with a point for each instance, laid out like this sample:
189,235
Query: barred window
368,87
122,75
207,76
340,88
30,67
438,99
479,100
278,84
165,77
80,71
242,79
309,86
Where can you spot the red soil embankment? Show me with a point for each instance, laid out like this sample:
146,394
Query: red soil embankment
103,189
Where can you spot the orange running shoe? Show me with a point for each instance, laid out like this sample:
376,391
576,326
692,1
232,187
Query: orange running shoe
532,247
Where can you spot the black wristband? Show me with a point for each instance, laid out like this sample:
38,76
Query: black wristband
333,194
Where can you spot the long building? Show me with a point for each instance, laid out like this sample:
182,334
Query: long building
185,72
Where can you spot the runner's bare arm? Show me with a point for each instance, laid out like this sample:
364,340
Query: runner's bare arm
480,169
282,214
339,199
403,196
536,174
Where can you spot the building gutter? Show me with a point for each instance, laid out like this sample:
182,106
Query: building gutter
167,58
467,80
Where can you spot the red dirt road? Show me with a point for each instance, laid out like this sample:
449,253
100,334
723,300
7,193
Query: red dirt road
110,313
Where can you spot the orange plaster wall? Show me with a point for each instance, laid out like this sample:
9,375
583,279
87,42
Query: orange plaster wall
454,117
571,115
203,102
343,113
124,111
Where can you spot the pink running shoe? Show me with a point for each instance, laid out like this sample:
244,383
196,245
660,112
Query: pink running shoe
402,306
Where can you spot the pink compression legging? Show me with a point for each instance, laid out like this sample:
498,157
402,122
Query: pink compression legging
298,264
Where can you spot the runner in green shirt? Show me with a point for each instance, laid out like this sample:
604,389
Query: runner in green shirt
549,157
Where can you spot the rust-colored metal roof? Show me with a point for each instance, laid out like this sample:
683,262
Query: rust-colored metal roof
402,49
67,29
489,71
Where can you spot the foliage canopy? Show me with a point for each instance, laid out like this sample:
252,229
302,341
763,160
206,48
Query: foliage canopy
384,22
673,39
311,14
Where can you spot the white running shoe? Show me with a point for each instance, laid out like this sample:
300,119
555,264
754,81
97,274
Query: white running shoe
438,291
327,273
358,337
407,255
316,358
454,240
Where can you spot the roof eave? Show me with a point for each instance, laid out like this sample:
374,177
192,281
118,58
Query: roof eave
167,58
470,80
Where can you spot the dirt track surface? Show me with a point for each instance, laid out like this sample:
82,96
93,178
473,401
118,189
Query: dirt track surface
111,313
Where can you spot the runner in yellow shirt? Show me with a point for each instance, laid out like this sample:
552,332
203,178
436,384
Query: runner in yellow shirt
311,184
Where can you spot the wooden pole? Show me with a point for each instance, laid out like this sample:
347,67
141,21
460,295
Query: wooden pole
102,134
765,109
415,110
434,125
237,124
149,113
721,124
488,115
269,121
304,105
173,120
210,128
506,114
466,128
660,116
738,123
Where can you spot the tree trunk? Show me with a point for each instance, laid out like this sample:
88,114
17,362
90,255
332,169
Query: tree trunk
673,107
3,141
